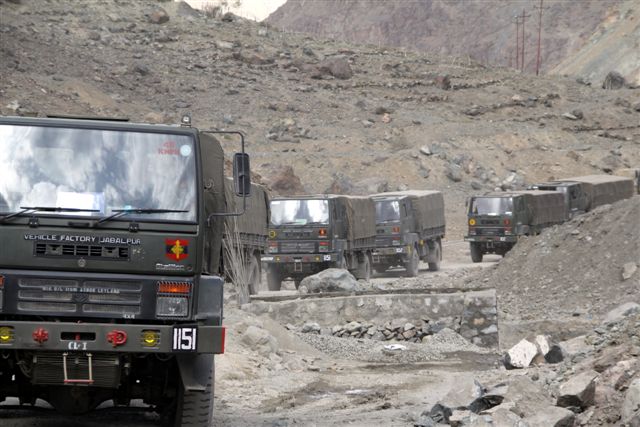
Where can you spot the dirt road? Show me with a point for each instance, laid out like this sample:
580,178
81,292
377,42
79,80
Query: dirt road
302,386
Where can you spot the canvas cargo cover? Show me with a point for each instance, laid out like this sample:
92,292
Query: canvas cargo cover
361,216
604,189
213,182
546,206
255,219
427,206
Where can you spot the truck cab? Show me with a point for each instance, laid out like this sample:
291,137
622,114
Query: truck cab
495,221
309,234
108,288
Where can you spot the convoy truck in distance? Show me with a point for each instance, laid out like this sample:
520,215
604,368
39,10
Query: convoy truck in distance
245,236
575,198
497,220
410,226
110,242
604,189
308,234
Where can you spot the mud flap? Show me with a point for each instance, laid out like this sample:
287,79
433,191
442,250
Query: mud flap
195,370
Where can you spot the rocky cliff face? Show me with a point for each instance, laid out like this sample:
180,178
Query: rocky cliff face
481,29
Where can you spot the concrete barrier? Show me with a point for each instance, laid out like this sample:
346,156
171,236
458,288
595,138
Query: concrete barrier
473,314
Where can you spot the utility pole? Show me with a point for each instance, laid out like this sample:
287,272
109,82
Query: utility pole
517,52
539,34
522,50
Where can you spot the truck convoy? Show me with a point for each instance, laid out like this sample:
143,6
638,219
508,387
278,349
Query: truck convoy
110,247
245,236
497,220
309,234
410,226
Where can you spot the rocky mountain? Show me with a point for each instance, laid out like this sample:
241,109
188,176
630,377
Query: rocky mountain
319,115
483,30
615,41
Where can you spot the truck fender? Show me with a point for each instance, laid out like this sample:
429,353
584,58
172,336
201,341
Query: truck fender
194,370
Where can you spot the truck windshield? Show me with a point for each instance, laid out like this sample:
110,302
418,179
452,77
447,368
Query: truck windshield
491,206
99,170
387,211
299,212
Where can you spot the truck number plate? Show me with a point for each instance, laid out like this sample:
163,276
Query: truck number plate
185,339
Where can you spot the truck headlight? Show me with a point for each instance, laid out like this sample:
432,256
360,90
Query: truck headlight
173,299
172,307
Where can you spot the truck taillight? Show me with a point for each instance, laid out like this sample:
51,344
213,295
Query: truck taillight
323,246
506,221
322,232
173,298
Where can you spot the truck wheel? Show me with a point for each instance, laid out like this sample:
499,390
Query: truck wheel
274,279
342,263
195,408
364,268
413,265
435,266
254,276
476,252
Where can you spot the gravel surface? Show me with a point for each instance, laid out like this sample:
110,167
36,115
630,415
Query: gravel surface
434,348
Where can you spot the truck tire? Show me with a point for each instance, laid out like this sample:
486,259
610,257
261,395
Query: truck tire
435,266
274,279
195,408
363,271
255,276
476,252
413,264
342,263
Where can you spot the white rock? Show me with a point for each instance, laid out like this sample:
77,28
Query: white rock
628,269
631,405
621,312
521,354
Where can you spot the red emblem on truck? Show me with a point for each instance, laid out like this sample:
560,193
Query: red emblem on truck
176,249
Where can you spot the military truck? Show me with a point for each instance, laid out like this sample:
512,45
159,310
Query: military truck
410,226
308,234
110,243
245,236
576,199
604,189
497,220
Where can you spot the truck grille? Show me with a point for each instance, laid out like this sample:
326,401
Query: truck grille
79,296
85,251
48,369
298,247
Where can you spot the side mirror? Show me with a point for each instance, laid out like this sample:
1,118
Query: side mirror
242,174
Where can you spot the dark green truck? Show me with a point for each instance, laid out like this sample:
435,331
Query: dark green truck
110,253
410,226
309,234
497,220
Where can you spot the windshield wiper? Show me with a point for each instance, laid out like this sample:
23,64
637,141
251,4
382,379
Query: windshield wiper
122,212
27,209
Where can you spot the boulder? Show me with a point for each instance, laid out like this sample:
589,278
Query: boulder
311,327
622,311
260,340
453,172
520,355
550,416
287,182
465,391
330,280
549,351
337,67
579,391
628,269
630,410
159,16
614,80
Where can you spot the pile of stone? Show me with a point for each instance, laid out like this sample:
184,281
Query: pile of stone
540,351
397,330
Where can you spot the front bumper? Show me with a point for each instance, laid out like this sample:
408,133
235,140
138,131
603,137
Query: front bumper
107,337
304,258
492,239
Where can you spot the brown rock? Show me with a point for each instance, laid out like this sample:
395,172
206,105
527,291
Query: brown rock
287,183
159,16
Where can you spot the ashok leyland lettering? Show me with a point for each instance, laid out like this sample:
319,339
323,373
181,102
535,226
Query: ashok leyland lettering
110,242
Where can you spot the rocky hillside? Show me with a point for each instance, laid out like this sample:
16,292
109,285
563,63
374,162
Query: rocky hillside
615,41
319,115
481,29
